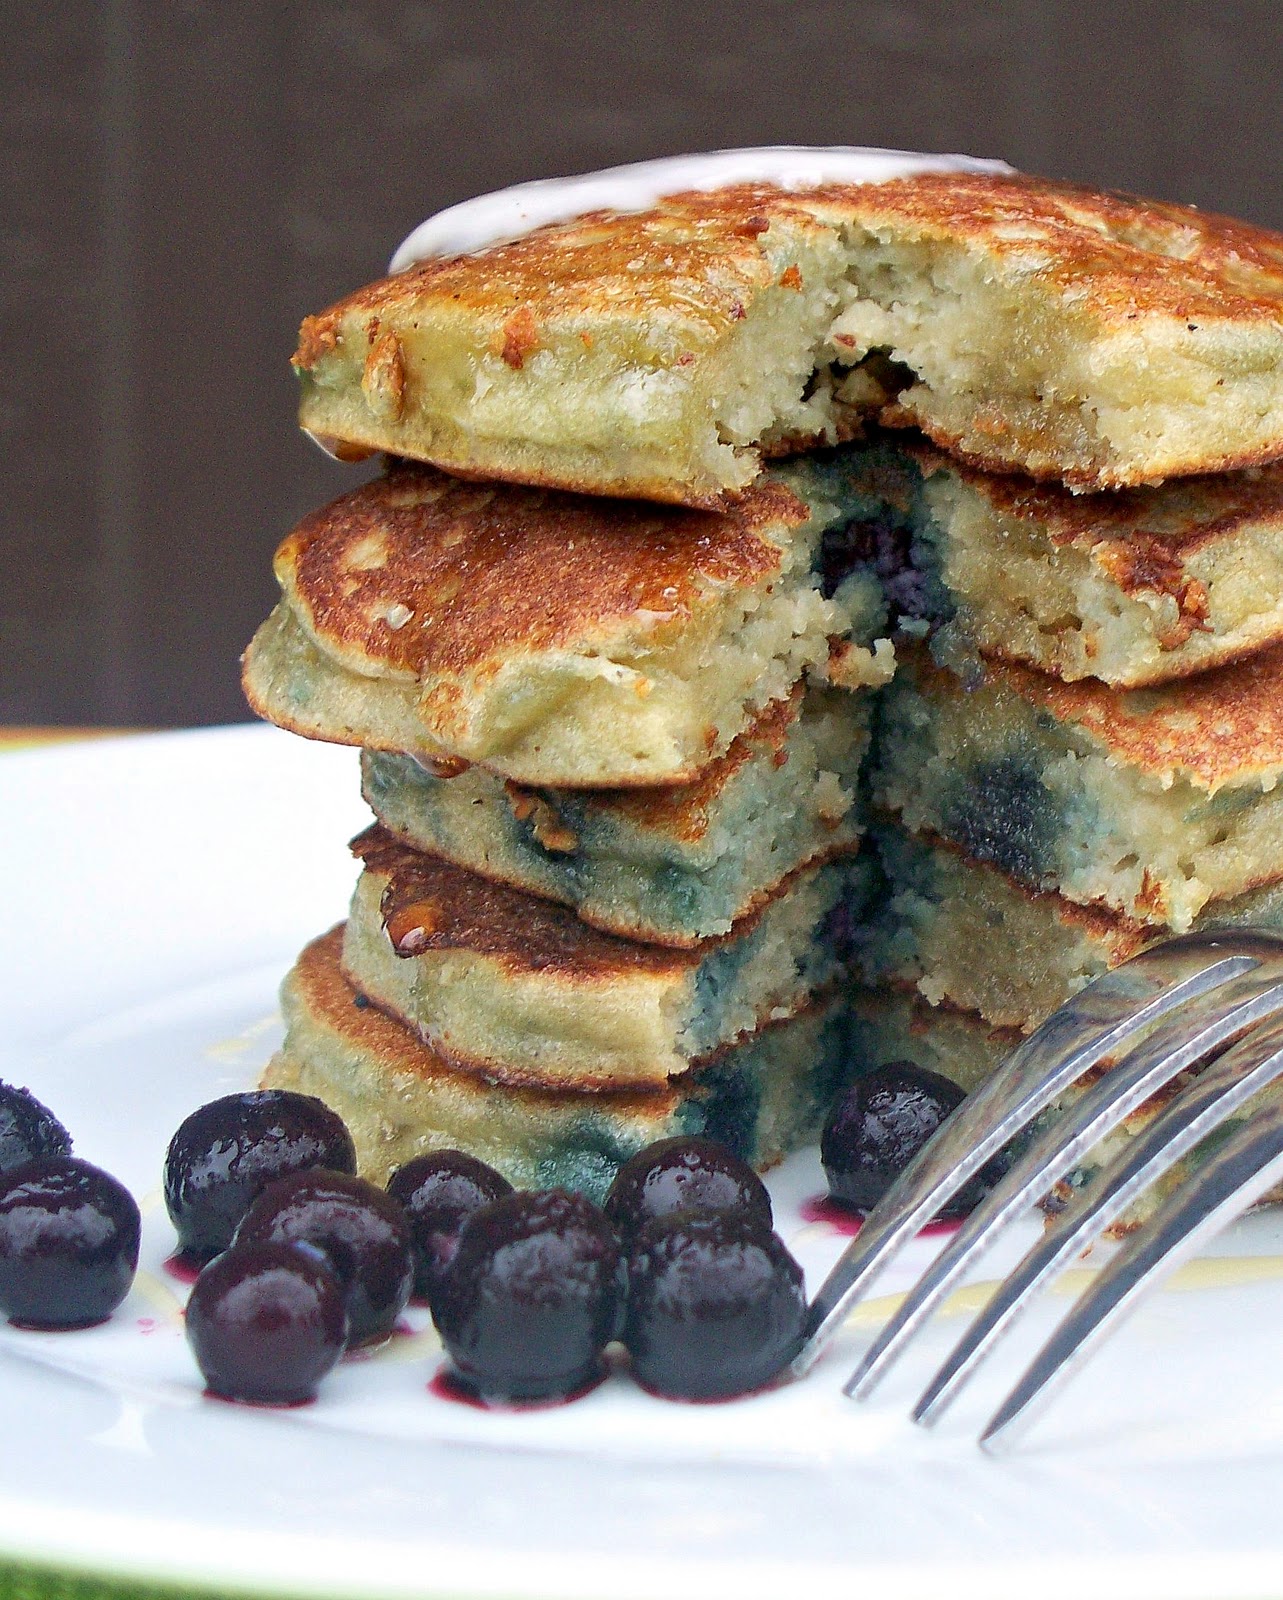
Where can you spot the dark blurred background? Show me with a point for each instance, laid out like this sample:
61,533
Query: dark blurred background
183,181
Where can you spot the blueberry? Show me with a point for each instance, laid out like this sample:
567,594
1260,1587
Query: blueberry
684,1174
68,1243
361,1231
228,1151
440,1192
879,1125
715,1305
266,1322
28,1129
532,1296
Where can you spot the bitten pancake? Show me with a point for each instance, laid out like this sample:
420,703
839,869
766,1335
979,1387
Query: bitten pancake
1153,801
672,865
1095,338
554,639
965,935
765,1097
521,992
1134,588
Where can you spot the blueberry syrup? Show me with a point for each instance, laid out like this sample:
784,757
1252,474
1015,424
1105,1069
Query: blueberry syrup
448,1385
258,1405
822,1208
183,1267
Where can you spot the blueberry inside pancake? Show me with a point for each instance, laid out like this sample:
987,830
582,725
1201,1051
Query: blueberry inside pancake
1134,587
1151,801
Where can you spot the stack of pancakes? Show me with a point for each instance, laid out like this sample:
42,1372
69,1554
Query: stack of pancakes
607,893
1101,772
664,487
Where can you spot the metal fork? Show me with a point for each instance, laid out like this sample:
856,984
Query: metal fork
1212,995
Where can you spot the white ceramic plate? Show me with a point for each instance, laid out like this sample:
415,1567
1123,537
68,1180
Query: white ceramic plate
155,890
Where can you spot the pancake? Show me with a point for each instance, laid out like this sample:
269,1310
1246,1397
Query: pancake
1032,326
519,991
554,639
1134,587
764,1098
1150,801
889,1024
966,935
670,865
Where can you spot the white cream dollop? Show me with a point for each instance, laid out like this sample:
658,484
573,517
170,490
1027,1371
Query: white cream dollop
508,213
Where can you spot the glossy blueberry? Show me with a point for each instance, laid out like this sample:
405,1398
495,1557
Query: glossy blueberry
439,1192
266,1322
532,1296
28,1129
361,1231
68,1243
228,1151
715,1305
684,1174
879,1125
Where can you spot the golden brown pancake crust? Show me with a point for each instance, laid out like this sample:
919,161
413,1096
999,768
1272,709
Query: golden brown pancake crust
431,905
1124,935
429,575
694,256
1141,538
698,253
927,1013
1157,526
1218,727
681,811
329,997
1142,256
1079,479
1145,261
684,271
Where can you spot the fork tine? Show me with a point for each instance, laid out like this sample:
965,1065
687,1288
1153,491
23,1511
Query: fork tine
1200,1028
1205,1104
1249,1163
1097,1020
